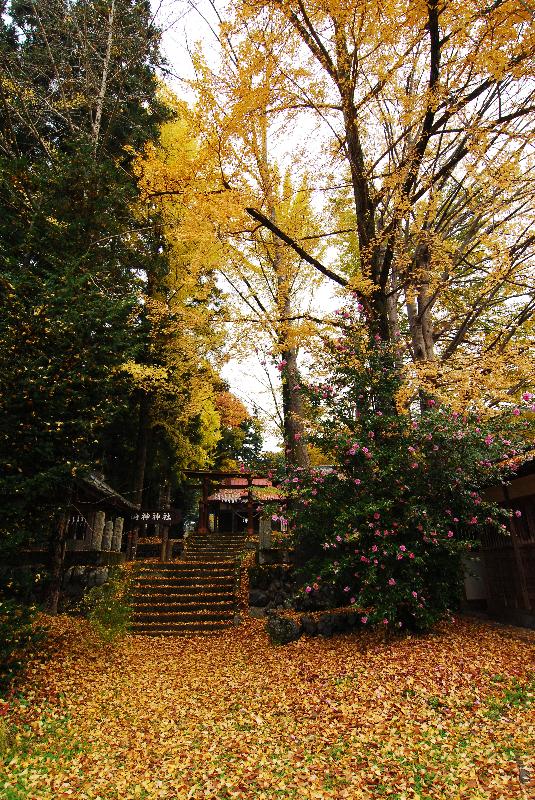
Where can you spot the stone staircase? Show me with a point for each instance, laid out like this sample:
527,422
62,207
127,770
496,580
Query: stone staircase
194,595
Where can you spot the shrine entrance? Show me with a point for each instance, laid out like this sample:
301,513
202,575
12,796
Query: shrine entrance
231,502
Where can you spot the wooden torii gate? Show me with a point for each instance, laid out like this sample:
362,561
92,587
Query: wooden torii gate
208,479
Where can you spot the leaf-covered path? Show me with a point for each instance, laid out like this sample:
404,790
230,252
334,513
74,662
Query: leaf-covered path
446,716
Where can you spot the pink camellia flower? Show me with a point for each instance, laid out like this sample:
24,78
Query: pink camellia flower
431,403
374,548
489,439
315,586
385,621
377,515
391,582
516,412
450,534
399,556
375,561
297,436
411,555
360,307
357,481
365,560
352,600
338,538
518,513
274,517
308,589
295,480
402,547
347,589
527,396
414,594
364,620
473,521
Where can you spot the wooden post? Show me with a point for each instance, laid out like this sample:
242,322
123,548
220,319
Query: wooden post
518,556
58,547
250,521
203,507
165,503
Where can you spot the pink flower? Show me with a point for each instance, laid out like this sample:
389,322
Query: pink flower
489,439
374,548
516,412
347,589
518,513
414,594
308,589
352,600
402,547
338,538
377,515
357,482
297,436
399,556
414,465
315,586
411,555
364,620
391,582
450,534
385,621
527,396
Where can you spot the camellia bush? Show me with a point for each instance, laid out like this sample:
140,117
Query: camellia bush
385,528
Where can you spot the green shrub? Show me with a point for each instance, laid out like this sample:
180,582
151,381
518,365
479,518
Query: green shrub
18,633
108,607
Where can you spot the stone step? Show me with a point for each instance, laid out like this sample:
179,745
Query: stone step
195,571
180,629
186,594
166,608
183,616
180,566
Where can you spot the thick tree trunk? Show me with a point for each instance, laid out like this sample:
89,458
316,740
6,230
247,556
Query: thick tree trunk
292,409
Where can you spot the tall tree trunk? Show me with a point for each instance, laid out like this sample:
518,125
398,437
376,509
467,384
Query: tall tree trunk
292,409
295,448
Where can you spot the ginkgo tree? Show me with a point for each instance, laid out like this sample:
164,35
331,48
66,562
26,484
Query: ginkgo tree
272,285
422,119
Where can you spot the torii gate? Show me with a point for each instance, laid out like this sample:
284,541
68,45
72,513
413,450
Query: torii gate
210,477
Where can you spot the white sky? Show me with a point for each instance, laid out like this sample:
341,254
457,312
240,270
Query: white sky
183,27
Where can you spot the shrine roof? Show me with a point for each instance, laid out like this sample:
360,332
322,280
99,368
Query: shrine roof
239,495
